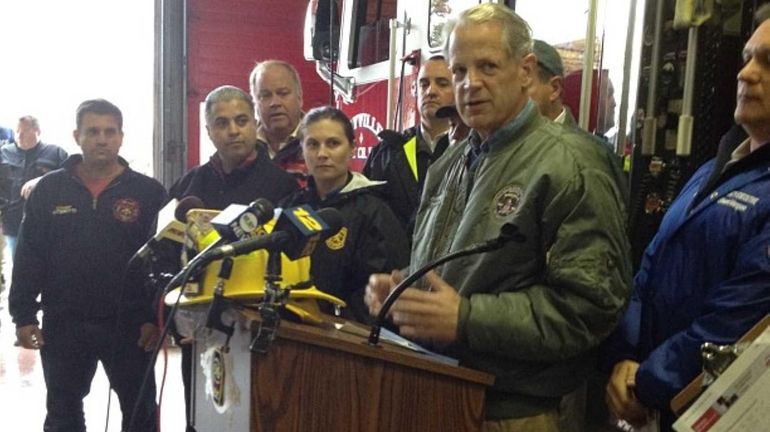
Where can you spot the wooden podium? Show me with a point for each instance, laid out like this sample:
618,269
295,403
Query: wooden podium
323,379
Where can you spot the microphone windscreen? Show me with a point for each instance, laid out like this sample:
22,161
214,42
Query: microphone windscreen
263,209
333,218
186,204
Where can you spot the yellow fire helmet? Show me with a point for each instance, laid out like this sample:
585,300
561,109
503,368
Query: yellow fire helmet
247,279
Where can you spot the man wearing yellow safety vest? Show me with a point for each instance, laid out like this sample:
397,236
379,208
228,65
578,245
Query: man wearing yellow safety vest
402,159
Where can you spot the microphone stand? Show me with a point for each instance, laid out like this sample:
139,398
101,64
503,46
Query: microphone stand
275,298
219,303
508,232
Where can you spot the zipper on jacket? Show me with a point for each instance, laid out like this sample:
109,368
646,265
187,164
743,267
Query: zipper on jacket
109,186
451,205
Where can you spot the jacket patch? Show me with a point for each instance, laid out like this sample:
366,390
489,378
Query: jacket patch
337,241
64,209
743,197
126,210
734,204
506,200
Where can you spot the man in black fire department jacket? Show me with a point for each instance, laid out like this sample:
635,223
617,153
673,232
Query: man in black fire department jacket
81,226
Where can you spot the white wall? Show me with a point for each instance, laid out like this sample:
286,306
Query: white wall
54,54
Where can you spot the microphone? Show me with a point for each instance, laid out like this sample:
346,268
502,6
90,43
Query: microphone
281,239
271,242
296,234
170,224
239,222
307,228
508,232
185,205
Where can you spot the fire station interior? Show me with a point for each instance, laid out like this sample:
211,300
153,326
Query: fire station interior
659,79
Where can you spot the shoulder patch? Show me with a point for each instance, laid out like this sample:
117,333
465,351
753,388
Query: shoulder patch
506,200
337,241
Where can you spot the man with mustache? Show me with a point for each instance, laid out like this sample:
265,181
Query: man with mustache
705,277
402,159
277,92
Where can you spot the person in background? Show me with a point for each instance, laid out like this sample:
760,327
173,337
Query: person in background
6,135
238,173
27,159
548,92
371,240
277,92
601,120
81,226
547,89
532,313
402,159
705,277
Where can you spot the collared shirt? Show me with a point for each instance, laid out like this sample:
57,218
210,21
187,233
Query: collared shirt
561,117
740,152
428,142
217,164
478,149
261,136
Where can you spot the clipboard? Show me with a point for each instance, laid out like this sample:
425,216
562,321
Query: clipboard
689,394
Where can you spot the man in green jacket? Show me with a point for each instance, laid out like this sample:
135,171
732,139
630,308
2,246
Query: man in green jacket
531,313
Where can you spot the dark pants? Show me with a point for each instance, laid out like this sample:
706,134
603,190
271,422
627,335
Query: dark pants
187,371
70,355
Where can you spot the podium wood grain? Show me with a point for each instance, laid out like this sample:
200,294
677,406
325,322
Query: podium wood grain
322,379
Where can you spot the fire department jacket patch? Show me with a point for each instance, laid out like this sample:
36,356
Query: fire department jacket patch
337,241
126,210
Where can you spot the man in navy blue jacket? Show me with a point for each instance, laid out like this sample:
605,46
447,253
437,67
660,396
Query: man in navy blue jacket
81,226
705,277
27,160
6,134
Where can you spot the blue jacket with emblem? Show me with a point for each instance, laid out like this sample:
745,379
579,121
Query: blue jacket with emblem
705,277
73,248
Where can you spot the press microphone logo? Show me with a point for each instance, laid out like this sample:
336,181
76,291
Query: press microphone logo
241,222
309,225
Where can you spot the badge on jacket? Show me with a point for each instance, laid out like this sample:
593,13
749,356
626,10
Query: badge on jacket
337,241
506,200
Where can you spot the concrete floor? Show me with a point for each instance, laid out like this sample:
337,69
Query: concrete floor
22,389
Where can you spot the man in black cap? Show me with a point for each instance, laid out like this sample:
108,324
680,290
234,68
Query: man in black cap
547,87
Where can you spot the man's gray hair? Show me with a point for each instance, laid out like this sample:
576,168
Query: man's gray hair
31,120
260,68
226,93
762,13
516,31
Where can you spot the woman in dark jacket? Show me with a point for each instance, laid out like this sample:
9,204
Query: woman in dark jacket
372,240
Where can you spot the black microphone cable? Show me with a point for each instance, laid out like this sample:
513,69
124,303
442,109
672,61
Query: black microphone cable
127,272
508,232
187,272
